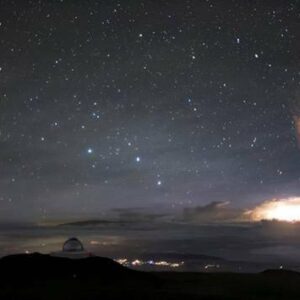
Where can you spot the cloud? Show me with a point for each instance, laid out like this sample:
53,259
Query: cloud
124,217
137,215
271,215
217,211
277,209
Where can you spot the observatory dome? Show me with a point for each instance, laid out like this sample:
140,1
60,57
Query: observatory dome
73,245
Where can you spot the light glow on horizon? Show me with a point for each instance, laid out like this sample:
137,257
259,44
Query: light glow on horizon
282,210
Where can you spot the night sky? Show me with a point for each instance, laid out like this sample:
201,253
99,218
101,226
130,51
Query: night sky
154,106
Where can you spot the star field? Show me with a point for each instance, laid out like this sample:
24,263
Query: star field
154,104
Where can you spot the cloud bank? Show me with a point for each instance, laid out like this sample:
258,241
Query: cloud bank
277,209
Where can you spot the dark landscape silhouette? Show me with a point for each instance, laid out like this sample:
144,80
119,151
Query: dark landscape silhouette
40,276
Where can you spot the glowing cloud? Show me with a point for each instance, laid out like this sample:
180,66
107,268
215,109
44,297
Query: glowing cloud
281,210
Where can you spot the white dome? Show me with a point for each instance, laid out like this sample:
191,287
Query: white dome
73,245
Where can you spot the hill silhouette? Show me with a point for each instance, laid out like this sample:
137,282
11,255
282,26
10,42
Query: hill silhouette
37,276
36,266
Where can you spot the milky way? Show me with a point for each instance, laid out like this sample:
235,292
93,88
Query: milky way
161,105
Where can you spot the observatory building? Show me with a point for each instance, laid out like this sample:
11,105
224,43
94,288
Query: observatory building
72,245
72,248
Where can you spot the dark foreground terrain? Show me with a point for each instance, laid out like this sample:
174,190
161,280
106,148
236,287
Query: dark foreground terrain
38,276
